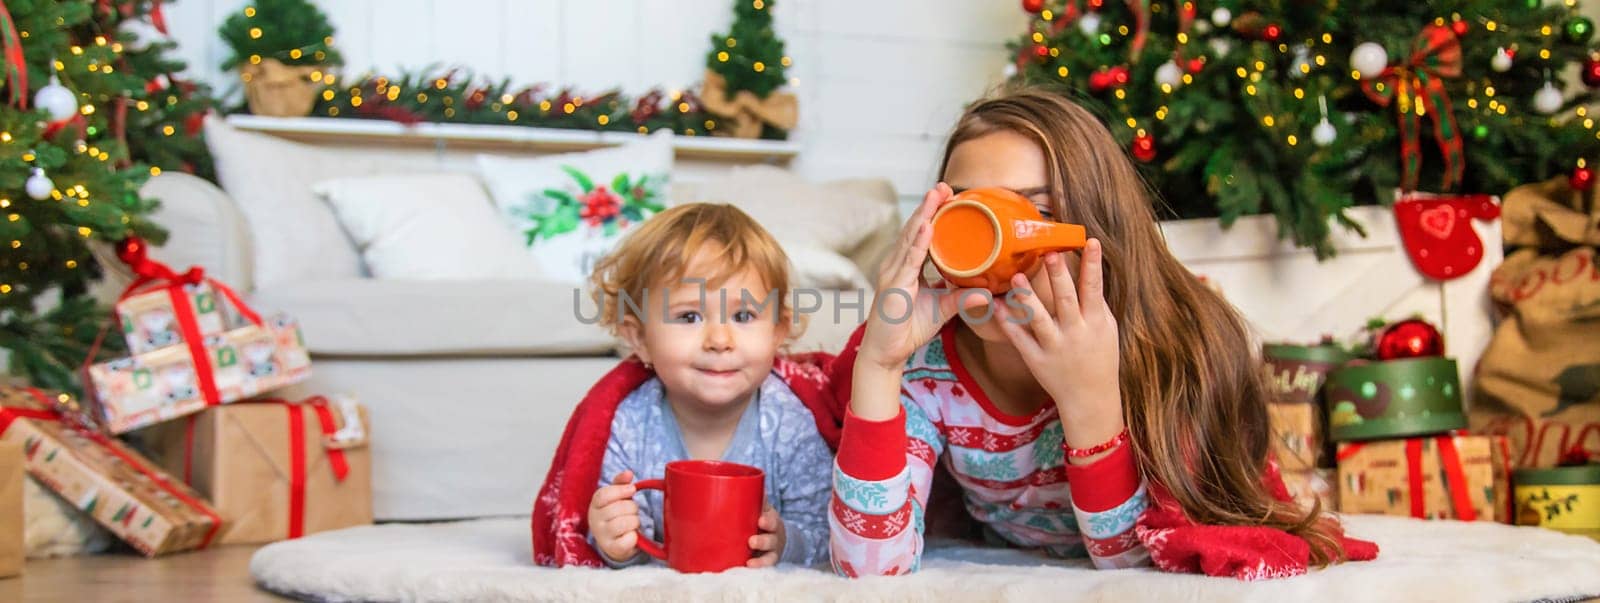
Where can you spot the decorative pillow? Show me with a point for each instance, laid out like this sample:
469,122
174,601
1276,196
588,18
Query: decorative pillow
572,209
816,267
839,215
295,235
427,227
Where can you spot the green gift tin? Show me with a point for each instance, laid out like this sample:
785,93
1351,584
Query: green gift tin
1394,399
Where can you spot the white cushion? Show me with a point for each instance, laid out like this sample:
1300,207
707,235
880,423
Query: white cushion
816,267
838,216
294,234
374,317
427,227
548,199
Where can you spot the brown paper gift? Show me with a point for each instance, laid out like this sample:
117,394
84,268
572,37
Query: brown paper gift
1310,487
153,512
1296,435
242,456
11,543
1435,477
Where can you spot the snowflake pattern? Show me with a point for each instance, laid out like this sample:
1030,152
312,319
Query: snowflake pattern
866,496
996,468
1047,451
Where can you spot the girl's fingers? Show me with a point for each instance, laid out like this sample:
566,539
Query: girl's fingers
763,542
1019,337
1043,327
1091,290
1067,302
611,494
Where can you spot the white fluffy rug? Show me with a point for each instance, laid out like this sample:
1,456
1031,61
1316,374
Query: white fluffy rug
488,560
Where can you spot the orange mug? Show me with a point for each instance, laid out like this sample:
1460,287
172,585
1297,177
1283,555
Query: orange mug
983,236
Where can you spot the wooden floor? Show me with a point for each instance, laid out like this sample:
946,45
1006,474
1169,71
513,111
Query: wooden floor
218,574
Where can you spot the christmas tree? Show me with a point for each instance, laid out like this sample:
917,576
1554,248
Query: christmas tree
294,32
1305,109
163,127
67,182
750,56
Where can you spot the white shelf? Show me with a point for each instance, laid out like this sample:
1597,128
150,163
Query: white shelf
507,137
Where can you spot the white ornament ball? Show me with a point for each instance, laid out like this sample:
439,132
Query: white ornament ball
1547,100
1201,27
1301,65
56,99
1009,71
1169,74
1221,46
39,185
1323,134
1369,59
1089,24
1221,17
1501,62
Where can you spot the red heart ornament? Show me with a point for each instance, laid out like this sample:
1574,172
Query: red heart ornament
1439,221
1437,231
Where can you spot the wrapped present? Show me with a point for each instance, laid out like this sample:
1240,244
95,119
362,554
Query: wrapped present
11,478
122,490
1450,476
1393,399
1295,373
1314,486
172,382
1565,499
275,469
158,318
1296,435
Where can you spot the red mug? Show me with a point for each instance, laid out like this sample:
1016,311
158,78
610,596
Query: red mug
711,510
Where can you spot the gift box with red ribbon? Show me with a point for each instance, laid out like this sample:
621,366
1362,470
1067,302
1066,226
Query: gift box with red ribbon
275,469
122,490
1449,476
197,367
1313,487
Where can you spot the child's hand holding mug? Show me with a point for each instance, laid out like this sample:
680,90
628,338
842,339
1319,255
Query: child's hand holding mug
768,542
614,518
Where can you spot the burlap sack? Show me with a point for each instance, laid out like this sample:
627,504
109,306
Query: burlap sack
1539,379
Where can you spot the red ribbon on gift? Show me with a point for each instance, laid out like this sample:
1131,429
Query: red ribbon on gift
1455,477
1417,88
10,414
297,453
134,252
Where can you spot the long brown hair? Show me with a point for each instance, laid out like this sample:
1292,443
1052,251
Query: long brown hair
1193,395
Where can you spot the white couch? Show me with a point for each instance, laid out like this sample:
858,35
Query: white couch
469,383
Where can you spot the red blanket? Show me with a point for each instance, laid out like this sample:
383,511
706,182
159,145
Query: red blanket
822,382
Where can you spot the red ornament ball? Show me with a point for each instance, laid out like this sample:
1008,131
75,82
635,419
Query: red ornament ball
131,250
1591,71
1581,179
1144,148
1033,6
1272,32
1413,338
1041,51
1460,27
1196,64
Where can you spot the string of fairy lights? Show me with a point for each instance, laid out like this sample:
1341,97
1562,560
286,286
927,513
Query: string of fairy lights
1367,64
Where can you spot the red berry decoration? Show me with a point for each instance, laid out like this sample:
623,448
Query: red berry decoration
1413,338
1196,64
1272,32
131,250
1459,26
1041,51
1144,148
1591,71
1582,178
1033,6
1100,80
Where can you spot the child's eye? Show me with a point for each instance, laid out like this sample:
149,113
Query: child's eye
688,317
744,316
1046,211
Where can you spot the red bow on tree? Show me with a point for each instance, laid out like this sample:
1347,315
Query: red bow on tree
1417,89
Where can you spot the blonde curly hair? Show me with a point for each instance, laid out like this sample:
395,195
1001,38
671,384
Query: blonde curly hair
657,255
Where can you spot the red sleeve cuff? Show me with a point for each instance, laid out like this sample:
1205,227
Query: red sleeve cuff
1105,483
873,450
